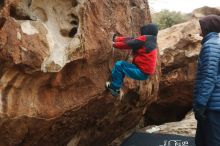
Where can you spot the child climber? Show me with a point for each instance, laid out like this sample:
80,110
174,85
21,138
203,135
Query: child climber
144,50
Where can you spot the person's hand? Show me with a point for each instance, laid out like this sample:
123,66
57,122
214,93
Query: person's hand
113,44
114,36
200,113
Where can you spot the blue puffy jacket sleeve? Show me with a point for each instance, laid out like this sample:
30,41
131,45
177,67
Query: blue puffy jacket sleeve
208,64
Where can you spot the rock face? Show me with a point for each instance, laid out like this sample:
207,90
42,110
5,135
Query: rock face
55,57
203,11
179,49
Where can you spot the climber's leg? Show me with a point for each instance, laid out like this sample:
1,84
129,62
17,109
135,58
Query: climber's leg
123,68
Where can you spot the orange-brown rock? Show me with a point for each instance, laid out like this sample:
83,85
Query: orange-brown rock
55,57
179,49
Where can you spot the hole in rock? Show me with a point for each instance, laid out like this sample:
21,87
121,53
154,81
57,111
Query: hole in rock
20,13
2,22
132,3
152,90
13,11
74,17
1,3
73,32
74,3
74,23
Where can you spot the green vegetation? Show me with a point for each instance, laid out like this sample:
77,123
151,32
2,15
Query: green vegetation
166,18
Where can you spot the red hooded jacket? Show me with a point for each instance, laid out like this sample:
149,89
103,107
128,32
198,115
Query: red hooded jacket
144,50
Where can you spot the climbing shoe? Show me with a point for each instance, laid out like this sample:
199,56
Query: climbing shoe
112,91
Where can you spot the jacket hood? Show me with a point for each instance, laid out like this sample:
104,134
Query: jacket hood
210,23
149,29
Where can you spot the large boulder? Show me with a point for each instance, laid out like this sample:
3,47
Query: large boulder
55,57
179,49
203,11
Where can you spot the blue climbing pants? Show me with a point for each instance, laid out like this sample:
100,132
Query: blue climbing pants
122,69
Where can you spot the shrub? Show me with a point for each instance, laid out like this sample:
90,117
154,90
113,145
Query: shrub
166,18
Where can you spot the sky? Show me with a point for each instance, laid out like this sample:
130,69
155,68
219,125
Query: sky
184,6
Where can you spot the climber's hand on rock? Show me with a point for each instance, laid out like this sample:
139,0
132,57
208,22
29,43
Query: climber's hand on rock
113,44
114,36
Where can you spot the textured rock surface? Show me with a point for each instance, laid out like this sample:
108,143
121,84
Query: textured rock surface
200,12
55,57
179,49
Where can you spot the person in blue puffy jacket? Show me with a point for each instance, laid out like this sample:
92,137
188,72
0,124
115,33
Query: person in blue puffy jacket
206,102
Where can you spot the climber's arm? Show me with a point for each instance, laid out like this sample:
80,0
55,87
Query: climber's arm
122,39
134,44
